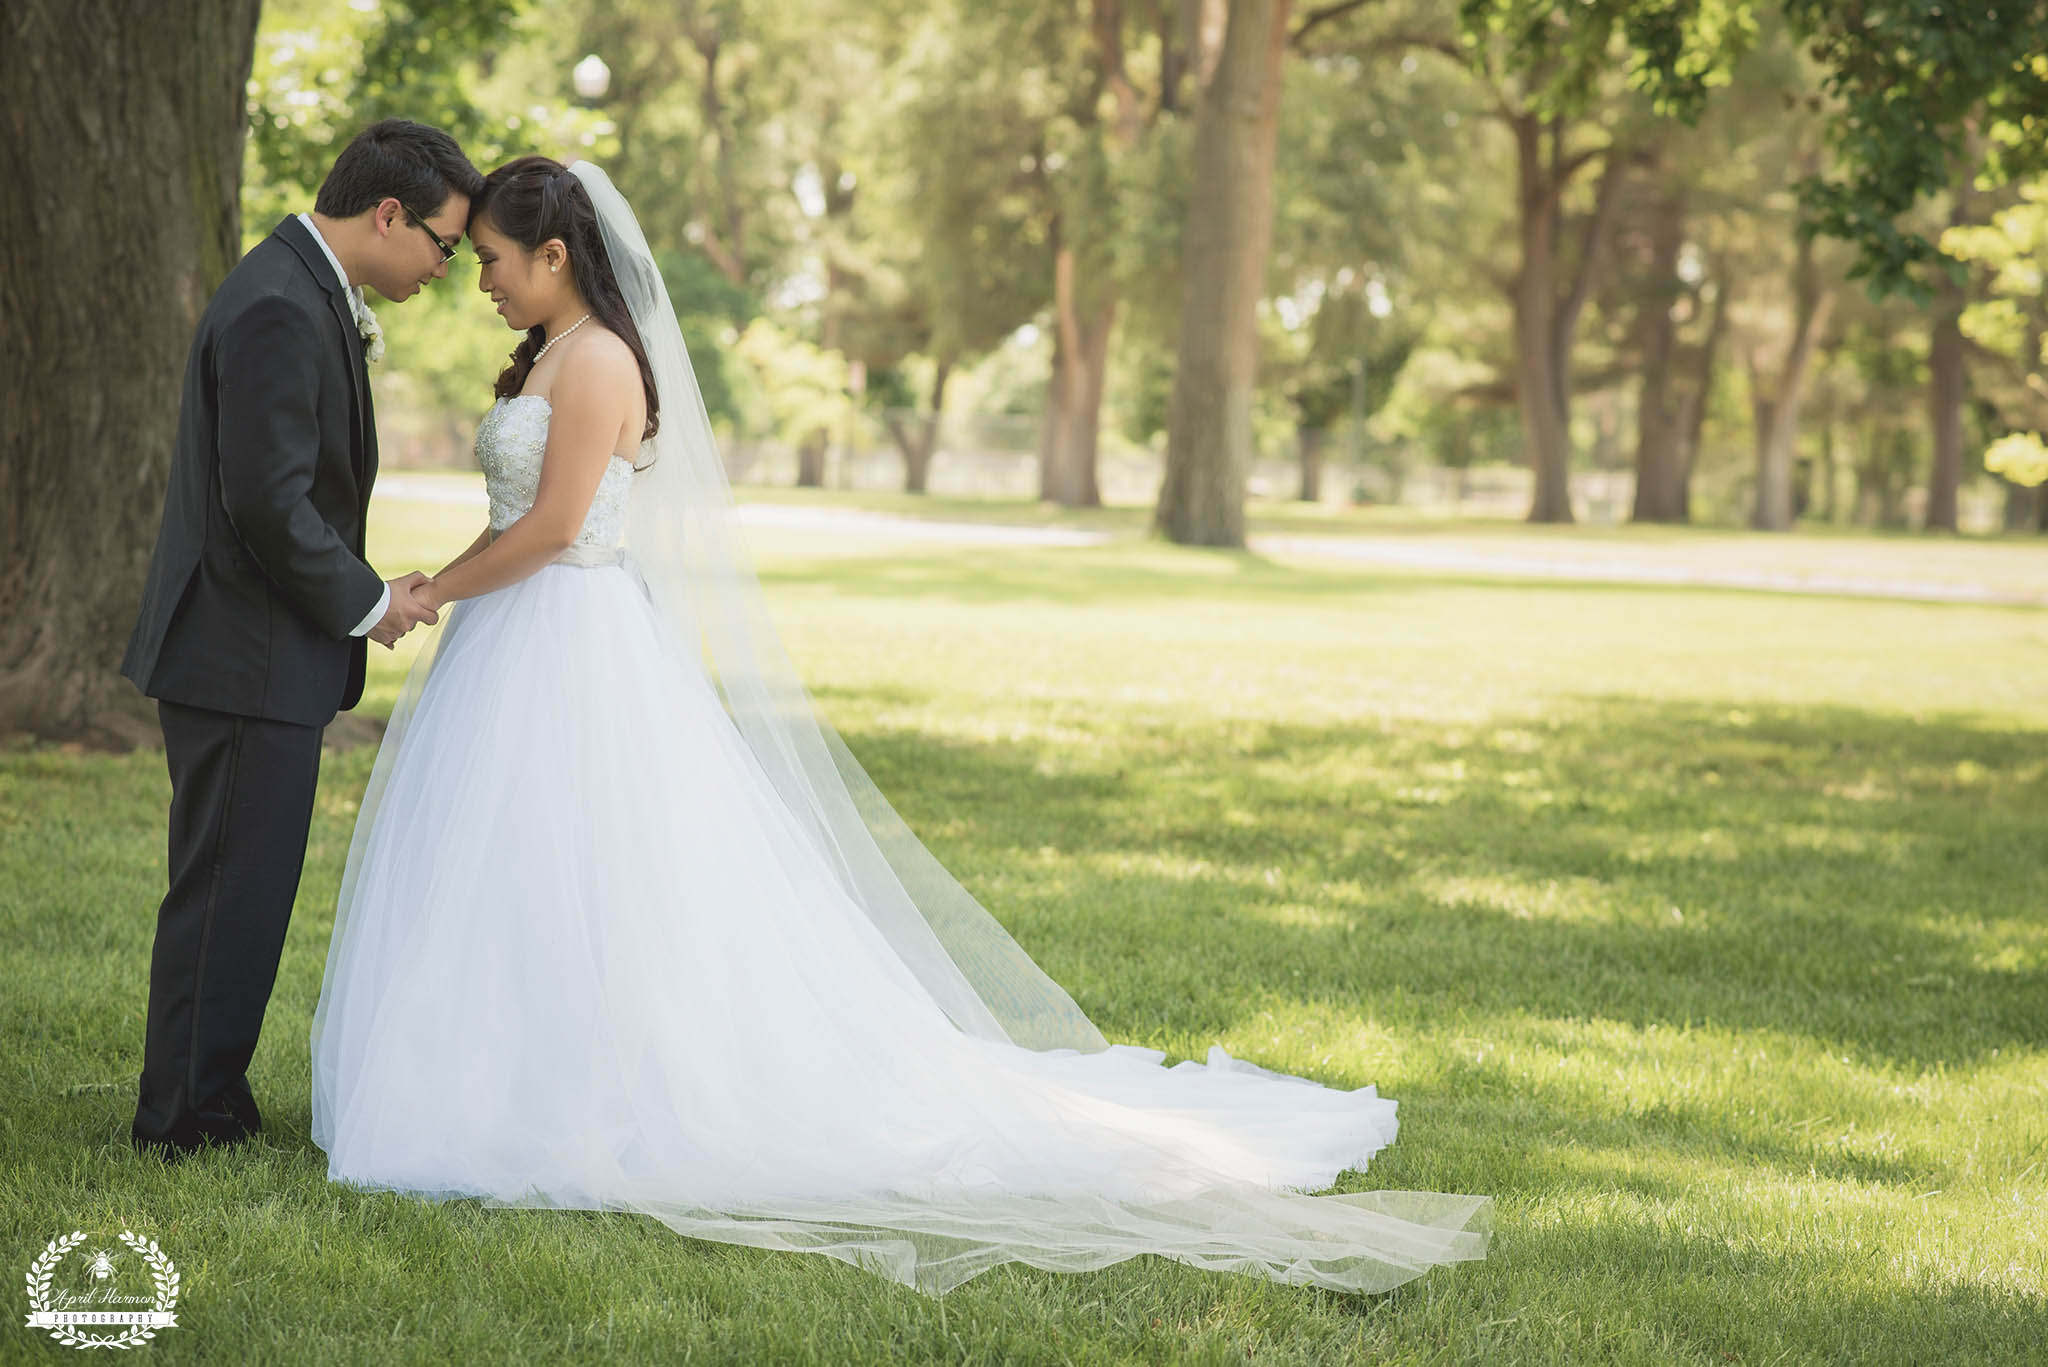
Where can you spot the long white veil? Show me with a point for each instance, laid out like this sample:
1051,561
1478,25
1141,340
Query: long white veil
681,537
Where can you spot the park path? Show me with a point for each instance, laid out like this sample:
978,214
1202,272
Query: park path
1676,564
1593,562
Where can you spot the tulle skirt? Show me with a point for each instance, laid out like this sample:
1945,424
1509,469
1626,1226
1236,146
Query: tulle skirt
584,958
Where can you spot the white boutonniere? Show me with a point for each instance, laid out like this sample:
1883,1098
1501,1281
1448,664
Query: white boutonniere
367,326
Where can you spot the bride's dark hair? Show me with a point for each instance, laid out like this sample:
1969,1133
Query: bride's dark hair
531,199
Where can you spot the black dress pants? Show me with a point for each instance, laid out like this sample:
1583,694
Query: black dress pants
241,805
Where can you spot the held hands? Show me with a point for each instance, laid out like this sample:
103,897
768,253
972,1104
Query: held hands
412,602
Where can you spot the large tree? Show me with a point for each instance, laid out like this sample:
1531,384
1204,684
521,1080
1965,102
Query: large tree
1931,98
1775,397
1556,71
123,131
1714,210
1223,270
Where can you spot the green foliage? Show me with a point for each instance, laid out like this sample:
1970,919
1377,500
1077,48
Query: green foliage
891,177
710,309
968,172
2007,316
2019,457
493,75
1673,51
1907,83
791,387
323,73
1909,80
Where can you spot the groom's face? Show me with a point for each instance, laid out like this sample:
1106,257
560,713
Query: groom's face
403,256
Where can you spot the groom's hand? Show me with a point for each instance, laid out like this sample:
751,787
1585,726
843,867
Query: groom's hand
405,612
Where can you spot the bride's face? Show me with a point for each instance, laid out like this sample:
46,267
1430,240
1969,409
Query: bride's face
525,285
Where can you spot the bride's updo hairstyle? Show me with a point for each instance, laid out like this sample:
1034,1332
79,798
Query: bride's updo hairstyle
531,199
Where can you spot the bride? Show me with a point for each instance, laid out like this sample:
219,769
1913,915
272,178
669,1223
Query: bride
624,925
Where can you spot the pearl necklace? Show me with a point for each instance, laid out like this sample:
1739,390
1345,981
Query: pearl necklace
558,337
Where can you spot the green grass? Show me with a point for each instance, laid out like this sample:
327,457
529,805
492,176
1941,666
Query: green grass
1704,931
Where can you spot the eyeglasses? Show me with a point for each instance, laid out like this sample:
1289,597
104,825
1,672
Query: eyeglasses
420,222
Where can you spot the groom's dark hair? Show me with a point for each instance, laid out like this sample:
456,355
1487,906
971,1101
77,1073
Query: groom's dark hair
414,163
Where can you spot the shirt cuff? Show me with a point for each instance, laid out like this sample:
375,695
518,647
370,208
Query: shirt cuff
376,613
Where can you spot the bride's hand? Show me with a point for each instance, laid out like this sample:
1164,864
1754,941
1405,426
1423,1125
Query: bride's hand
427,594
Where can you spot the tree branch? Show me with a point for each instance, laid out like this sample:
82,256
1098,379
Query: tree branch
1592,235
1570,166
1502,391
1467,59
1323,16
1428,42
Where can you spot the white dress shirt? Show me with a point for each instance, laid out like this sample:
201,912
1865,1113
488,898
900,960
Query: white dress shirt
348,293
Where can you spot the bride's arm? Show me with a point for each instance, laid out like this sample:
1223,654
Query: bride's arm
587,404
483,539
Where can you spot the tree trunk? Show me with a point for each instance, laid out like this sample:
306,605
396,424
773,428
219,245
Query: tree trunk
1660,456
1692,408
2022,507
1545,320
1883,475
810,459
1546,425
1052,431
1084,293
917,444
1308,443
1945,386
723,225
1778,413
1947,361
1067,473
1223,267
1828,472
120,219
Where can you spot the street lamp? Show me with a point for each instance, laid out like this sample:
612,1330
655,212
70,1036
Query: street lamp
591,77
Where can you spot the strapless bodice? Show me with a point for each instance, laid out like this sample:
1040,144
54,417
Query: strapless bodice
511,439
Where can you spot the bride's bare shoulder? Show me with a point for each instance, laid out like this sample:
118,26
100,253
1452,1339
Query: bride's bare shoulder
602,361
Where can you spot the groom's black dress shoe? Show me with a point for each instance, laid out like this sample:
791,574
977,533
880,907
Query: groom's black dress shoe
173,1150
230,1118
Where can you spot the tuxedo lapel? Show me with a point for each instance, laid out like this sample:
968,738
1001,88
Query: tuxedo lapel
308,251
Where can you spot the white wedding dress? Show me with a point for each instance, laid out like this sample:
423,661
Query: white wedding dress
586,958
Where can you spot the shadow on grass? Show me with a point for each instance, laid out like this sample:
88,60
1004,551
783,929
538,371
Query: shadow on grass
1113,576
1865,880
1686,1283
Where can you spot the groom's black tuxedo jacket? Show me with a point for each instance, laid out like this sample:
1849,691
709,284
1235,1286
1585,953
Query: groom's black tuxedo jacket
258,574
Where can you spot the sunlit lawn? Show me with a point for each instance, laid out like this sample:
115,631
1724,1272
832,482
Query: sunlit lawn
1704,930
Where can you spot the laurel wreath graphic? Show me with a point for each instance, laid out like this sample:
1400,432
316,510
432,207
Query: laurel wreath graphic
161,1270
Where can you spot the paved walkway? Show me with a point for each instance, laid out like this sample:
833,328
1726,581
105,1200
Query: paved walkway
1625,565
1582,562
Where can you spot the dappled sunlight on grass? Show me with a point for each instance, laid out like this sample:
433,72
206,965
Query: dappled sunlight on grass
1703,931
1578,899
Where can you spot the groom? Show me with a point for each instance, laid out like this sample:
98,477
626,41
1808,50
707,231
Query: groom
258,600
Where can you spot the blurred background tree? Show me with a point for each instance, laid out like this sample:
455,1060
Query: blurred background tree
1752,262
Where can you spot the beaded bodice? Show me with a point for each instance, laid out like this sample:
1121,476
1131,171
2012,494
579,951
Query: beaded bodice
510,441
